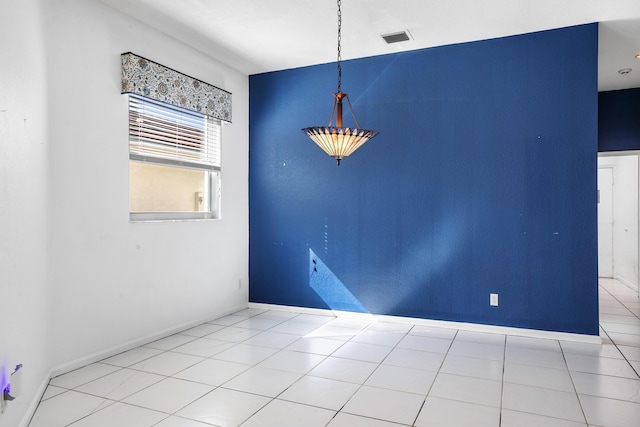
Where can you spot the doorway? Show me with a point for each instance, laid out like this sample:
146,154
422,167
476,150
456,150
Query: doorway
618,217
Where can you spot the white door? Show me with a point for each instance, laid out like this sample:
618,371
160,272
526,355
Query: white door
605,222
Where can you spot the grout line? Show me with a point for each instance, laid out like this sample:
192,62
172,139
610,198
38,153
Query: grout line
575,390
619,302
611,339
504,367
436,376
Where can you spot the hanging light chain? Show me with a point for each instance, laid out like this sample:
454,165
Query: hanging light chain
339,48
338,141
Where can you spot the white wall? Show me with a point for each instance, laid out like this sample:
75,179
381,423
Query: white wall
625,216
117,281
76,271
24,219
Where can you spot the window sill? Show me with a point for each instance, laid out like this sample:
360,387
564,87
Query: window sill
171,216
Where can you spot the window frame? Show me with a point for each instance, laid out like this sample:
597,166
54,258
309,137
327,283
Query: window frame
212,168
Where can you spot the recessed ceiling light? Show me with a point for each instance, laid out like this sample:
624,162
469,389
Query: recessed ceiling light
400,36
624,71
638,56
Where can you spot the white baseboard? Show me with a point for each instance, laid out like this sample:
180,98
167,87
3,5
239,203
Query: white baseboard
103,354
475,327
626,283
31,410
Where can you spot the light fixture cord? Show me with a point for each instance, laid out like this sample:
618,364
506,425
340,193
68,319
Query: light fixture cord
339,48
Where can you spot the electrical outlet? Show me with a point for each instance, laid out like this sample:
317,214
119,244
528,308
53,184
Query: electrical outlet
493,300
5,386
239,284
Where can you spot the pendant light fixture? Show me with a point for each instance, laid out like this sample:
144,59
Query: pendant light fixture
337,141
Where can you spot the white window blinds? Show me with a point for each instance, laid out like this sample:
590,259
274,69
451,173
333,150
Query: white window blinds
161,133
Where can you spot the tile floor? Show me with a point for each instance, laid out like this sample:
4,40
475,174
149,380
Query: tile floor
273,368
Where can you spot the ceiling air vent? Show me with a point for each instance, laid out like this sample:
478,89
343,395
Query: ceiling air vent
401,36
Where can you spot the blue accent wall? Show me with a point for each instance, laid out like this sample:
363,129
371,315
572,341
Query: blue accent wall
619,120
482,180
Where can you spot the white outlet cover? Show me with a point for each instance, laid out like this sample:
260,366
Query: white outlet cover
493,299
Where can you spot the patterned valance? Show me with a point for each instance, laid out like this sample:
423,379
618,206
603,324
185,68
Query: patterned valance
155,81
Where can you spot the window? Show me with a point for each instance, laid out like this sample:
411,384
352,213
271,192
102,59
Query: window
174,157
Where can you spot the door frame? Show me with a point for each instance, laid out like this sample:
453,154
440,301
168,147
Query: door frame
612,170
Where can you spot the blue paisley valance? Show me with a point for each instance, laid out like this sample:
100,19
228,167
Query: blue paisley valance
155,81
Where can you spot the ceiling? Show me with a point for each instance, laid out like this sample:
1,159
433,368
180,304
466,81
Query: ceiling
256,36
